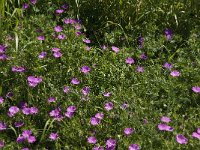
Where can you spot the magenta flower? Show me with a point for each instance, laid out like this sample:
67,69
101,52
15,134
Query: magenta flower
2,144
98,148
181,139
61,36
109,106
69,21
165,119
20,139
33,2
34,110
130,60
25,6
143,56
85,90
95,121
111,144
57,54
78,33
168,34
196,135
175,73
34,81
65,6
58,29
59,11
75,81
128,131
71,108
196,89
3,126
19,124
85,69
133,147
41,38
3,57
31,139
92,140
140,69
2,49
1,100
26,133
26,111
99,115
25,148
42,55
66,89
55,49
104,47
124,106
69,114
51,99
55,112
107,94
115,49
168,65
53,136
77,27
87,41
13,110
164,127
18,69
140,41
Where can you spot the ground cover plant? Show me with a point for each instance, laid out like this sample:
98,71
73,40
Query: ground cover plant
61,90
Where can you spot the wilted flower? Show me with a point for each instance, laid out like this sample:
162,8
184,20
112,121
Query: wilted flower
165,119
133,147
128,131
130,60
175,73
167,65
18,69
41,38
34,81
75,81
111,144
115,49
85,69
53,136
94,121
164,127
168,34
42,55
196,89
58,29
181,139
92,140
109,106
85,90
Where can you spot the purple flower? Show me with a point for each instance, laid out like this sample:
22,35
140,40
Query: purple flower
143,56
58,29
198,130
164,127
168,34
42,55
33,2
2,49
65,6
77,27
23,104
3,126
111,144
175,73
109,106
55,49
196,89
75,81
13,110
55,112
59,11
19,124
26,133
71,108
69,21
20,139
69,114
31,139
165,119
124,106
98,148
2,144
128,131
181,139
25,6
107,94
53,136
85,69
130,60
1,100
33,110
25,148
167,65
140,69
86,41
41,38
104,47
78,33
18,69
34,81
26,111
115,49
57,54
140,41
66,89
94,121
85,90
196,135
3,57
9,95
92,140
61,36
133,147
99,115
51,99
87,48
